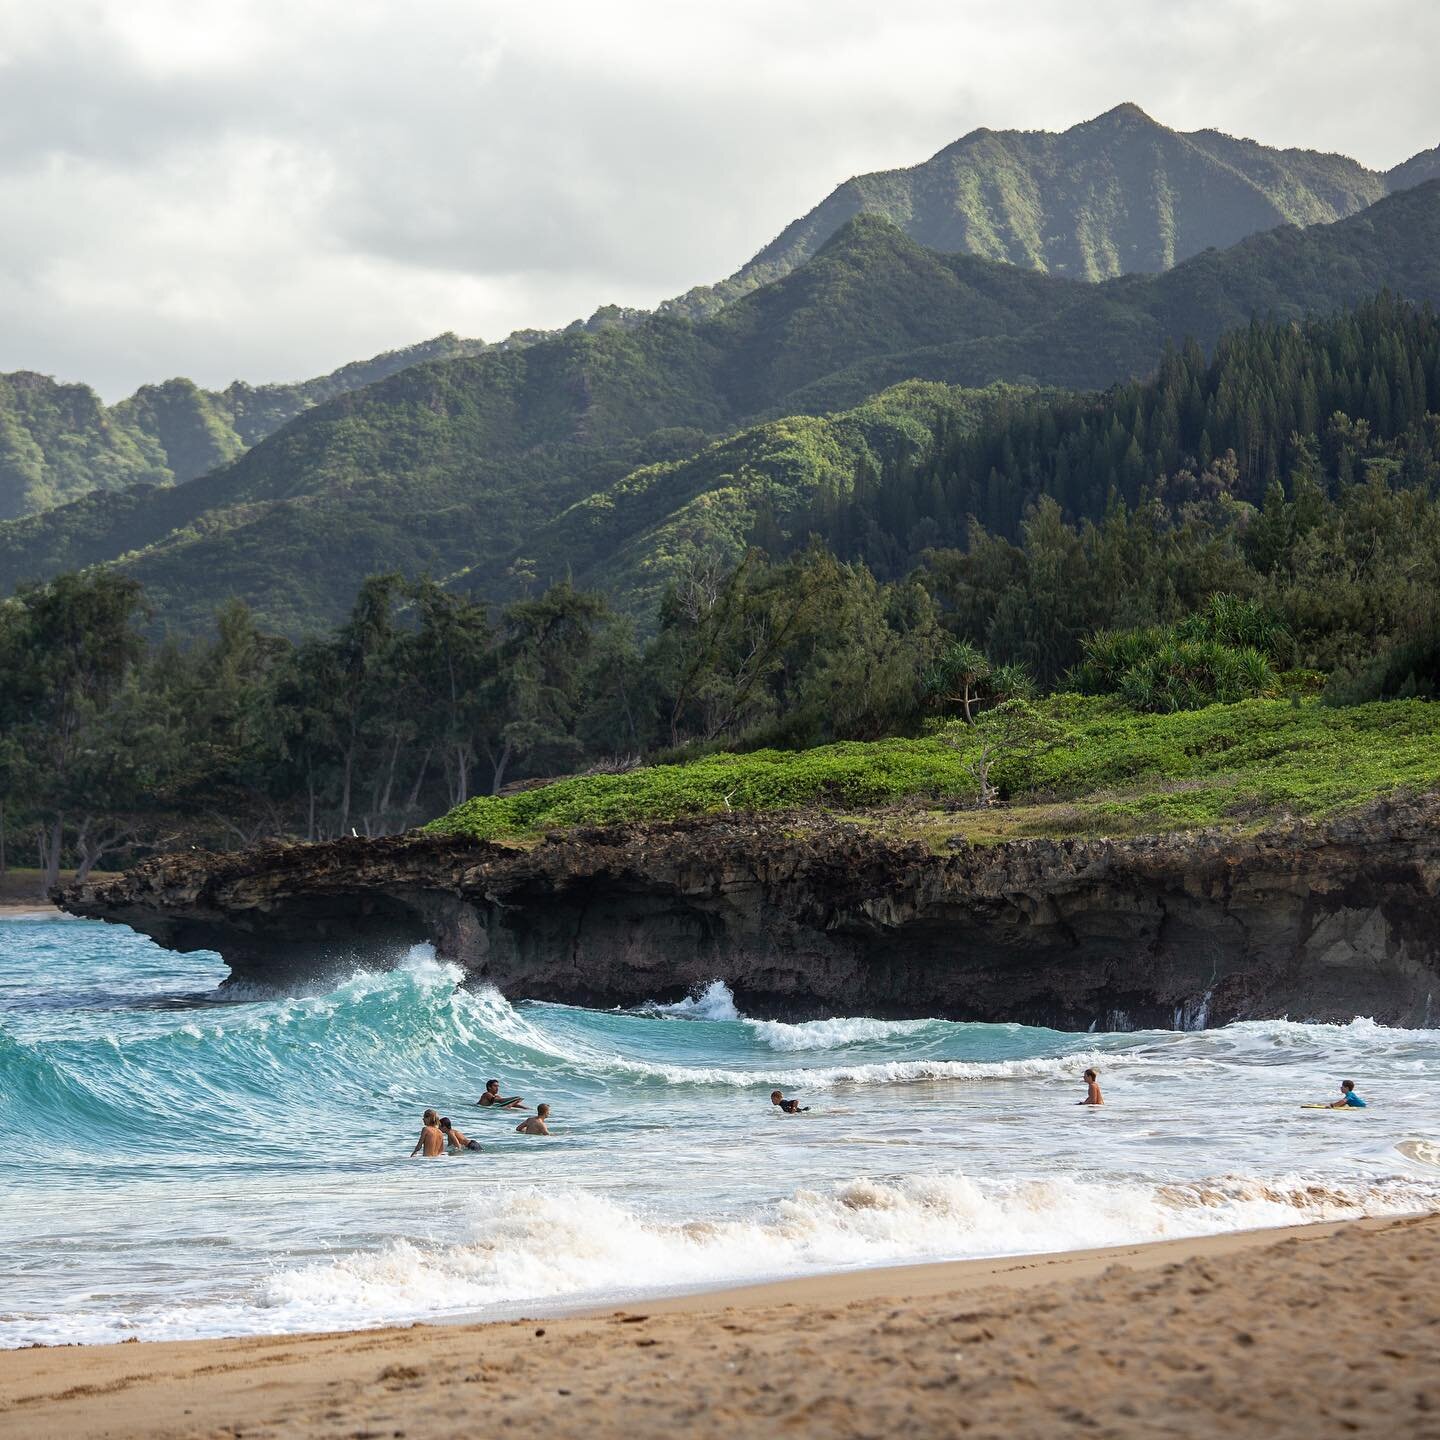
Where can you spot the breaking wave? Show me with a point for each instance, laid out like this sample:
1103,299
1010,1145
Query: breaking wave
263,1140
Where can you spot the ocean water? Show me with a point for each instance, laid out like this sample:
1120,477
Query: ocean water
177,1163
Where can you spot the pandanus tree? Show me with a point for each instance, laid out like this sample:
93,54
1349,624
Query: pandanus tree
958,678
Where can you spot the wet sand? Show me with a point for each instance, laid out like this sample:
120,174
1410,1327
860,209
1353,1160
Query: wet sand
1318,1331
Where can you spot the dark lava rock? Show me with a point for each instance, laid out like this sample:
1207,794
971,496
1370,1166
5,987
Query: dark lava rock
803,917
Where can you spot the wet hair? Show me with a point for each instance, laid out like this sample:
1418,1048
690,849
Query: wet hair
492,1084
429,1117
1092,1074
542,1110
1347,1086
445,1123
776,1094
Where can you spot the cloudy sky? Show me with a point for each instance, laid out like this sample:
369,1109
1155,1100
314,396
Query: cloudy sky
251,188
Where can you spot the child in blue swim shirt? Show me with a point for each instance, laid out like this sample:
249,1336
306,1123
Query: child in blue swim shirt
1348,1097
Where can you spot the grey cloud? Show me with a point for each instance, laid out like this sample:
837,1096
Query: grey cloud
270,190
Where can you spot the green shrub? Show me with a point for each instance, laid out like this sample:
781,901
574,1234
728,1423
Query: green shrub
1406,670
1188,767
1219,655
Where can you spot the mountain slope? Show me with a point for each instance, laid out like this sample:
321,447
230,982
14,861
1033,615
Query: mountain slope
60,441
1115,195
462,465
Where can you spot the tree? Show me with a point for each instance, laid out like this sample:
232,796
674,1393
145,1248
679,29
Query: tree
69,645
957,677
1009,736
452,656
534,693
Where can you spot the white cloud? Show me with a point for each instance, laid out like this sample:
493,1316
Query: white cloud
241,187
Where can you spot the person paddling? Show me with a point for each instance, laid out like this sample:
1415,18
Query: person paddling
456,1141
790,1107
492,1096
1348,1098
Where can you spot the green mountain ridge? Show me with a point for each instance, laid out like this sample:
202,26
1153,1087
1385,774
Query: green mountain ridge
1119,194
467,467
1114,195
59,441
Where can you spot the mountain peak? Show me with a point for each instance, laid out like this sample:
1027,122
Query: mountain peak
1081,204
1126,113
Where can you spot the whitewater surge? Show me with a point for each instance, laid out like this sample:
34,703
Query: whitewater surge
185,1162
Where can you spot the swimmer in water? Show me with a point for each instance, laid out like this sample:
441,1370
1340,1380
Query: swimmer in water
1348,1098
432,1139
790,1107
535,1125
1092,1091
492,1096
455,1141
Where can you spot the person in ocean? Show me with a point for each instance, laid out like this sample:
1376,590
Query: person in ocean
455,1141
492,1096
535,1124
1092,1090
432,1139
1348,1098
790,1107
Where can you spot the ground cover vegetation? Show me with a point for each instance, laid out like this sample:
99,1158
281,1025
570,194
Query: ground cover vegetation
1080,765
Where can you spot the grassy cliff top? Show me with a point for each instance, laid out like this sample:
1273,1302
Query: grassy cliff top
1070,765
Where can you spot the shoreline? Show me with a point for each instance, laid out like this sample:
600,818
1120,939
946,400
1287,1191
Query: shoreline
867,1341
29,909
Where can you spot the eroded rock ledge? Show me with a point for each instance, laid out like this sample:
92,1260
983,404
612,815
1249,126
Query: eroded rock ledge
805,916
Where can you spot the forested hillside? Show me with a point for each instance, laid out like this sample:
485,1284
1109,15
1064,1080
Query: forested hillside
60,441
1114,195
1264,524
468,467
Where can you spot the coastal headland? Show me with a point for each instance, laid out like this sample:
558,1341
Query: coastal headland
1311,1331
811,914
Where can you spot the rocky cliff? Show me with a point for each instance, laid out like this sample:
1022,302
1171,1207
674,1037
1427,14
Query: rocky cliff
806,916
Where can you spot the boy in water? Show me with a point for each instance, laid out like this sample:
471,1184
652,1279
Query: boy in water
790,1107
492,1096
456,1141
535,1125
1092,1090
1348,1097
432,1138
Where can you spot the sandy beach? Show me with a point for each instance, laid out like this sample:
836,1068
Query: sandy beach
1317,1331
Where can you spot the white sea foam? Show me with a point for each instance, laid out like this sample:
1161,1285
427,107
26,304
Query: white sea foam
1422,1151
715,1002
832,1034
880,1072
563,1246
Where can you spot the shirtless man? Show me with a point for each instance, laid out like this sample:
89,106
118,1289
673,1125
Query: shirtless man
1092,1089
535,1125
455,1141
492,1096
432,1139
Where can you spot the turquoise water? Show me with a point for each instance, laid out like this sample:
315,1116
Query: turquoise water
178,1163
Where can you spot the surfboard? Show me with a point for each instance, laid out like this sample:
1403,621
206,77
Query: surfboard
1338,1109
